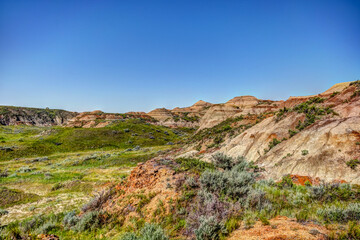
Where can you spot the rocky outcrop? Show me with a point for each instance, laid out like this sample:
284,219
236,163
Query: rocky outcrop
199,107
161,114
181,117
10,115
100,119
235,107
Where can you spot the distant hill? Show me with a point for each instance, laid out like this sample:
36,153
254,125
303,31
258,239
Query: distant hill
10,115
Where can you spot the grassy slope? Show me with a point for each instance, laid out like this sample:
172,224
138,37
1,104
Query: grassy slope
29,142
85,160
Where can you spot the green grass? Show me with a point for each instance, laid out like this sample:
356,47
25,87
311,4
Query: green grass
29,142
52,168
10,197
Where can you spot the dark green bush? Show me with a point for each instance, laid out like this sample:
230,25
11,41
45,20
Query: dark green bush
281,113
89,221
341,214
353,163
193,165
304,152
352,233
209,228
286,181
272,144
235,183
334,94
70,220
225,162
148,232
330,192
292,132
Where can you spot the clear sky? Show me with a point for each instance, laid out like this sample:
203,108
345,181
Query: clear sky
135,55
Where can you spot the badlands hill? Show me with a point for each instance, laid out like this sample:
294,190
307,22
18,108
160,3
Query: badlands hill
245,169
200,115
316,136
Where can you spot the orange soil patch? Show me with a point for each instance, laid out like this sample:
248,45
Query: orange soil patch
281,228
301,180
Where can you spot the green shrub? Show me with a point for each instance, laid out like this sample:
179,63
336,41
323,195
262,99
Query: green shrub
40,224
330,192
47,227
232,224
264,220
225,162
315,100
352,233
209,228
218,140
152,232
57,186
353,163
147,232
341,214
302,215
88,221
311,111
3,212
304,152
227,128
249,221
235,183
70,220
256,200
334,94
355,83
24,169
273,143
192,164
292,132
12,231
286,181
281,113
191,182
129,236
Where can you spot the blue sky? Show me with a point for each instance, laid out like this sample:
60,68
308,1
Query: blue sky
135,55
